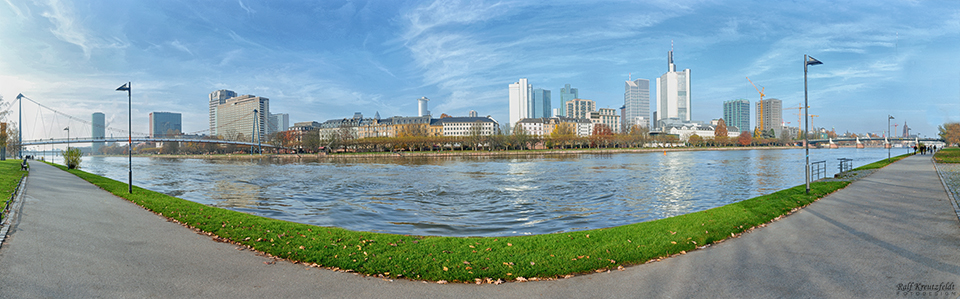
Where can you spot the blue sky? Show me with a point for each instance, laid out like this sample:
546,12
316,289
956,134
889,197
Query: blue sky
318,60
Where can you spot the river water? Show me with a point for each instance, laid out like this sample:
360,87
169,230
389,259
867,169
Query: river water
479,196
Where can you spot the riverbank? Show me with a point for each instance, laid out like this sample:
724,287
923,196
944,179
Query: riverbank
457,259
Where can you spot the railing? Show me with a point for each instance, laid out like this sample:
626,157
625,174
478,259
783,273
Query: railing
818,170
846,164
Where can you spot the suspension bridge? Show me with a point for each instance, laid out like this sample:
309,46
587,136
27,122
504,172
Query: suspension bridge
45,129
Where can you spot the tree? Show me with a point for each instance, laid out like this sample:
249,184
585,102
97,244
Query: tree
71,157
519,137
745,138
171,148
695,140
950,133
310,140
475,137
721,130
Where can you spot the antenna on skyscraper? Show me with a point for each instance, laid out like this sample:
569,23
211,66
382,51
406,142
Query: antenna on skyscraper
629,76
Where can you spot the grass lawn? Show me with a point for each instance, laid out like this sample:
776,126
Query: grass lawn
947,155
466,259
10,175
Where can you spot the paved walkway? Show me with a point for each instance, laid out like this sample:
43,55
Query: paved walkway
893,227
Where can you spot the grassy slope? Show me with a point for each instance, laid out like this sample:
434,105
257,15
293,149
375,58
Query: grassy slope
10,175
466,259
947,155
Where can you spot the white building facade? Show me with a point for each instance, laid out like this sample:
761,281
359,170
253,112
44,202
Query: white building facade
520,93
673,93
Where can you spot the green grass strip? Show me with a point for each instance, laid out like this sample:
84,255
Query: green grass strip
464,259
10,175
947,155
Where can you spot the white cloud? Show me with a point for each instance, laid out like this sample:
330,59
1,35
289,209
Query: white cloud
246,8
66,27
179,46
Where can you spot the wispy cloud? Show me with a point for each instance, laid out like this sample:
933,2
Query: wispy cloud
66,26
246,8
179,46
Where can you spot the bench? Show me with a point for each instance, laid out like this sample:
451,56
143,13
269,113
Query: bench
23,165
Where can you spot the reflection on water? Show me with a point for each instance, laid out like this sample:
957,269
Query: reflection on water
477,196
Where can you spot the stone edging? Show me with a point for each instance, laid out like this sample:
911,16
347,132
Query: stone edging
953,199
14,206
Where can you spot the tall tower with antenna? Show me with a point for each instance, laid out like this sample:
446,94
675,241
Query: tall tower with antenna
673,93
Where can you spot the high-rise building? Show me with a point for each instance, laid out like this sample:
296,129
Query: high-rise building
540,105
165,124
235,117
218,98
567,93
636,103
580,108
771,116
608,117
520,93
279,122
99,131
673,93
736,113
422,107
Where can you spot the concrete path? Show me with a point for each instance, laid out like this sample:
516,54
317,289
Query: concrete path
894,227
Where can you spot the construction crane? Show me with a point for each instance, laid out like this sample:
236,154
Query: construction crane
798,114
759,106
811,117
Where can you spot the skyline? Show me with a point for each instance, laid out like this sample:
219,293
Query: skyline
328,60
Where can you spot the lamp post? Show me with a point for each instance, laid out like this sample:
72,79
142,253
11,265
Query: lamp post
807,60
68,145
20,130
256,124
126,87
889,117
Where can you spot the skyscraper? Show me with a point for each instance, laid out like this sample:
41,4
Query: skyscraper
772,115
567,93
736,113
540,104
673,93
580,108
218,98
636,103
520,93
279,122
422,107
236,118
99,131
164,124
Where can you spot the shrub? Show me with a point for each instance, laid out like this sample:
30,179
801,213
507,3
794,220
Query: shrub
71,157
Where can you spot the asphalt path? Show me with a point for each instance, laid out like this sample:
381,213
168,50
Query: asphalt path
869,240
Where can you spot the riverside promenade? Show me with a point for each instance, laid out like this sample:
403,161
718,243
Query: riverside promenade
891,230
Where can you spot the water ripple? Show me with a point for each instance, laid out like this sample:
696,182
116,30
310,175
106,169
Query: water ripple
477,196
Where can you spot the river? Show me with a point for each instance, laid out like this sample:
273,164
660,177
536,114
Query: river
478,196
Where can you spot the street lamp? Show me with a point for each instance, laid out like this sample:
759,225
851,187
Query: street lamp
68,145
256,124
889,117
807,60
126,87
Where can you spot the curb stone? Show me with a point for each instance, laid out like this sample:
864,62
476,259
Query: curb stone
950,191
